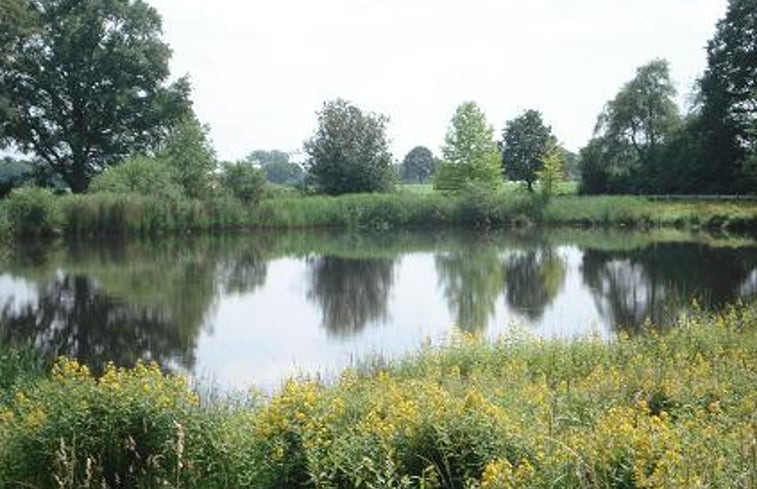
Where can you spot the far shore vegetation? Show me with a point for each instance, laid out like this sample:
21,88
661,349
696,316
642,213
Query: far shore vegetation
34,212
129,155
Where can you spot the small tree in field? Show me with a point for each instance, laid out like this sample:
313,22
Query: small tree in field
551,173
418,166
525,142
470,153
349,151
189,152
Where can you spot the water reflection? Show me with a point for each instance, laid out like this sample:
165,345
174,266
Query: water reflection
351,292
72,317
472,279
534,279
658,281
317,298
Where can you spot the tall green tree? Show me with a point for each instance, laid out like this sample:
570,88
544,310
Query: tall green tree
349,151
470,153
525,142
643,114
632,134
83,83
418,166
729,99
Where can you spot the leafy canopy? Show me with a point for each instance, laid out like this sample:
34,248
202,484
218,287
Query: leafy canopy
470,153
349,151
244,181
525,142
632,134
83,83
419,165
729,99
276,166
139,175
643,113
188,151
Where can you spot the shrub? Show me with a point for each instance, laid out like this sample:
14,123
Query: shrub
139,175
244,181
33,211
128,428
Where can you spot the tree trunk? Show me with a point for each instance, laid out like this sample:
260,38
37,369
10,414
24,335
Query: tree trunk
78,179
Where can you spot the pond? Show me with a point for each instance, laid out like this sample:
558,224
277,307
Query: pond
249,310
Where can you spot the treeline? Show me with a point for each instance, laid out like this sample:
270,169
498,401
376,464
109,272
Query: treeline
84,89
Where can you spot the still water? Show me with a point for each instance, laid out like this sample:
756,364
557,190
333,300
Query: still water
247,310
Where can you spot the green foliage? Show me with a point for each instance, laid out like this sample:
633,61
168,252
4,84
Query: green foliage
139,175
243,181
672,409
729,100
418,166
33,211
190,154
349,151
18,367
13,174
277,167
105,213
551,173
470,153
632,134
525,143
82,84
128,428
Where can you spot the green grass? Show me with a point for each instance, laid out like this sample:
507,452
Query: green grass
112,214
673,409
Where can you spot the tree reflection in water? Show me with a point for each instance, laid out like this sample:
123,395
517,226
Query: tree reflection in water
534,279
351,292
72,317
658,281
123,302
472,279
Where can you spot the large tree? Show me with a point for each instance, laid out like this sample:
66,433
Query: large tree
83,83
643,114
525,142
349,151
729,98
470,153
633,134
418,166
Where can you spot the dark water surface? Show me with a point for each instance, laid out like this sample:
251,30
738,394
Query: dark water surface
252,309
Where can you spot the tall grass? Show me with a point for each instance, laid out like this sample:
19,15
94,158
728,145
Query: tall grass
672,409
34,212
642,212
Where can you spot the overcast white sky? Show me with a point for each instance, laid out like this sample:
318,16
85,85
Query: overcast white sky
260,69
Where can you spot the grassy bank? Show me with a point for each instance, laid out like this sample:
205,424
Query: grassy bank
671,410
33,212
